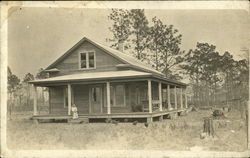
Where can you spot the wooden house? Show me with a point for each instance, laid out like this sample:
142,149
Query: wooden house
106,83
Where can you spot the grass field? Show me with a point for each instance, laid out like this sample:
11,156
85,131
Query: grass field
182,133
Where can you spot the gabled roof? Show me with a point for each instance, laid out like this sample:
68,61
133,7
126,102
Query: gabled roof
115,53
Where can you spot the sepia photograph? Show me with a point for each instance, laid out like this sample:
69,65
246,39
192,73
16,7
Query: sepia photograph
144,79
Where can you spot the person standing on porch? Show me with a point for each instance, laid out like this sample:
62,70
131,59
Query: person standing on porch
74,111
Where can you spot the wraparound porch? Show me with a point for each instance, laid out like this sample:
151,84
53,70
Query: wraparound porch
126,97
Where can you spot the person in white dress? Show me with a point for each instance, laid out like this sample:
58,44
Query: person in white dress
74,111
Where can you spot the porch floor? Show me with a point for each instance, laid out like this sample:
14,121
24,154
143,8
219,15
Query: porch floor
109,116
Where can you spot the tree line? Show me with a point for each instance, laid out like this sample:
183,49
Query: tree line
213,76
20,91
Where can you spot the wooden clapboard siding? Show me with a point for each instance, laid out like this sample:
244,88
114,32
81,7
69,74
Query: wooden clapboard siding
57,100
80,94
121,109
81,98
70,65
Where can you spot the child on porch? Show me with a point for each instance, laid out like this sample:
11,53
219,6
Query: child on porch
74,110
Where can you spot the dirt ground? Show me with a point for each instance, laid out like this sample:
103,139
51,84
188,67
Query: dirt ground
182,133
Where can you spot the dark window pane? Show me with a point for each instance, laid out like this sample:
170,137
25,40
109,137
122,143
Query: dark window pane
66,97
83,60
83,56
94,94
111,95
91,63
91,60
91,55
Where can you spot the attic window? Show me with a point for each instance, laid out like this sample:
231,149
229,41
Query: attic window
87,60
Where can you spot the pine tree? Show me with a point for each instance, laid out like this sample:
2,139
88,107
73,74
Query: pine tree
121,27
139,32
164,42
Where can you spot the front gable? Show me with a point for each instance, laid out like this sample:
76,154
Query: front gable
90,56
71,61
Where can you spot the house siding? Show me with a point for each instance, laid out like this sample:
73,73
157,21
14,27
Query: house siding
70,64
135,95
57,100
81,98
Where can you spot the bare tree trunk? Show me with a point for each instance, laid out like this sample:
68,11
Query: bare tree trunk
20,100
208,126
10,105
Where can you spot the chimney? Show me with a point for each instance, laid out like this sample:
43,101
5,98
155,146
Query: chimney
121,46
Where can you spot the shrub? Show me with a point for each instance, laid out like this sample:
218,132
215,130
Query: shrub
218,113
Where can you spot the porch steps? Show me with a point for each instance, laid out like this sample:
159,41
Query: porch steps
79,120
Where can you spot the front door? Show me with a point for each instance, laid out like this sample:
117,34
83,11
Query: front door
96,99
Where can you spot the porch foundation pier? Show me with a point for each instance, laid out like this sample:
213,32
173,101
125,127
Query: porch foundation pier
69,99
181,99
169,101
160,96
149,119
35,100
186,105
175,97
108,97
149,97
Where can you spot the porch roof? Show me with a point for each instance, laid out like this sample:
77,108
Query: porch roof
99,76
94,76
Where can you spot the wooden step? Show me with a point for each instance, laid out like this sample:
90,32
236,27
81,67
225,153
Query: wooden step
79,120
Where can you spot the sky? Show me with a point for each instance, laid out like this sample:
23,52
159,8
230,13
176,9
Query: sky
38,36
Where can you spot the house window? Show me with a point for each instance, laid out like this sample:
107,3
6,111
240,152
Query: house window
83,58
137,94
117,95
91,60
87,60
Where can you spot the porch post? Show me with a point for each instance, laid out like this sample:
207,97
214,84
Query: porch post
160,96
181,99
175,97
169,101
186,105
35,100
69,99
108,97
149,97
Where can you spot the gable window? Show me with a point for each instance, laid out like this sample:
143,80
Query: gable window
87,60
